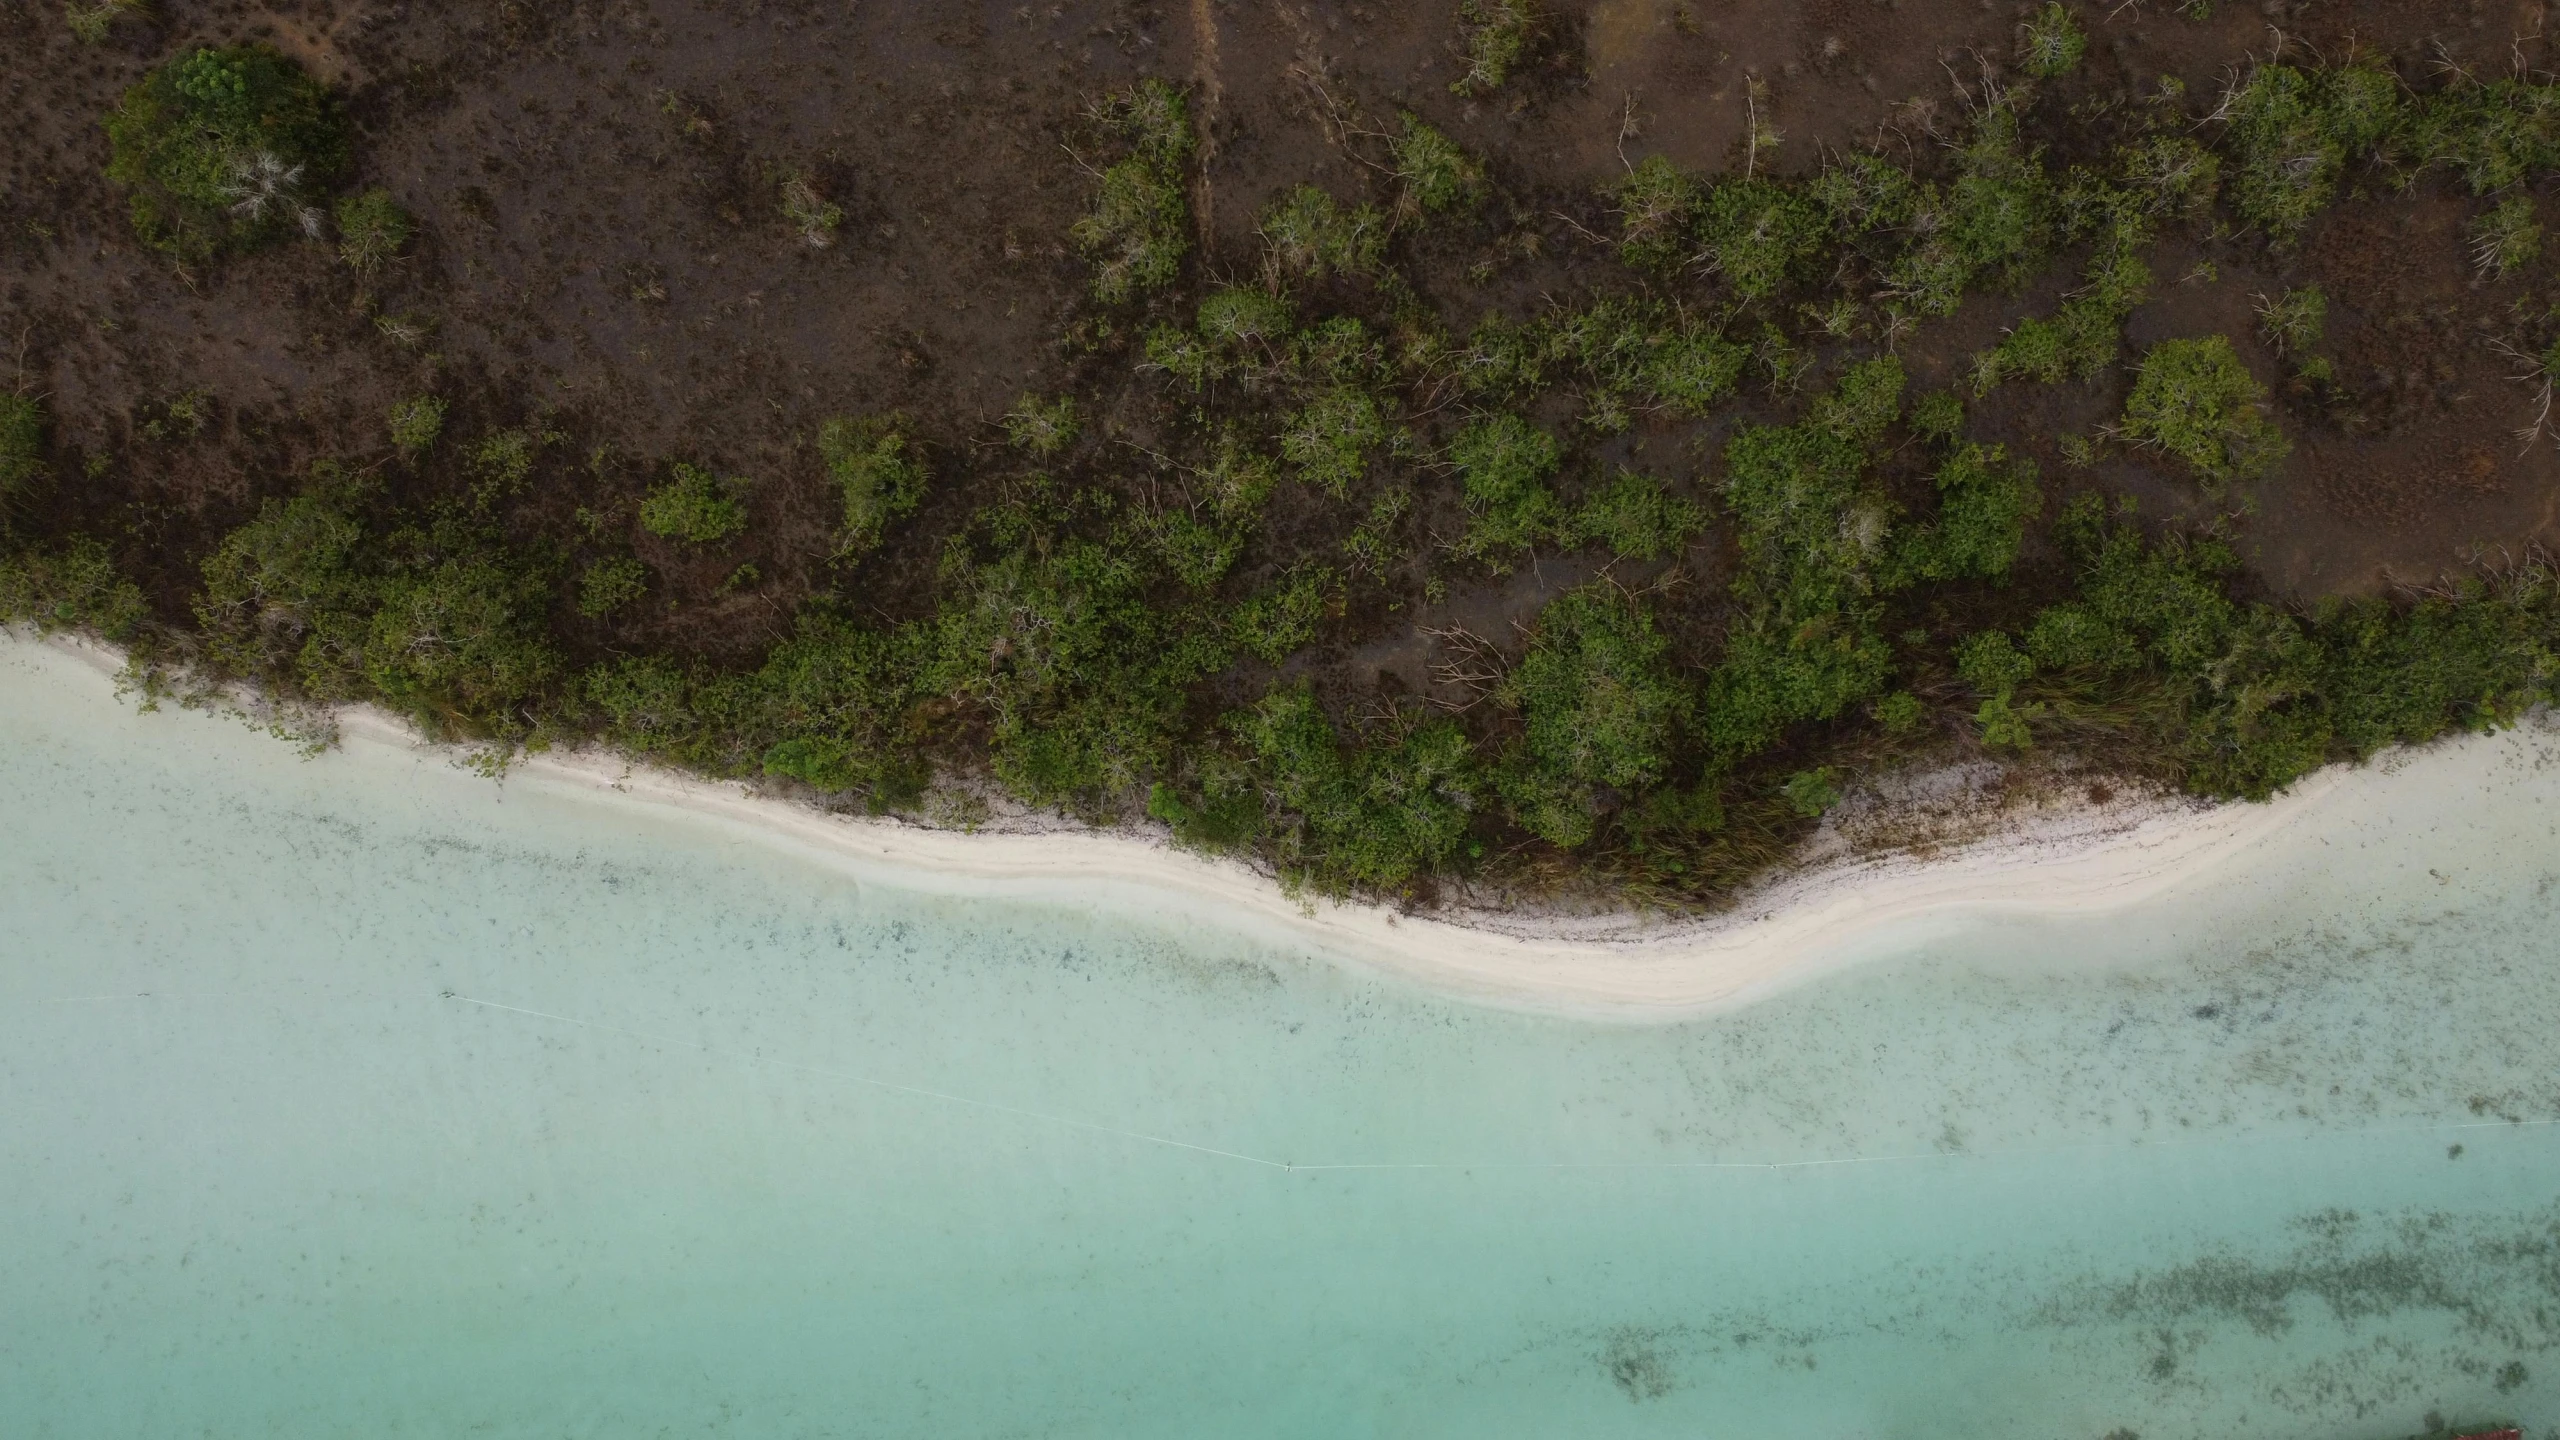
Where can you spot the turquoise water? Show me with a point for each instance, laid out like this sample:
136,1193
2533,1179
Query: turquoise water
360,1096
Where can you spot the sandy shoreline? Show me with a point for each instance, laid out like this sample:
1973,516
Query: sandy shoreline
2078,862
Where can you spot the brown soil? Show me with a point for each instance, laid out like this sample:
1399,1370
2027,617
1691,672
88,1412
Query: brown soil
601,254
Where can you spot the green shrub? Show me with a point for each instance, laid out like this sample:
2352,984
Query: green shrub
1140,225
2495,133
416,423
458,644
1280,622
372,228
608,585
1238,317
74,588
1938,417
1081,676
1042,427
1502,359
224,151
2050,43
1329,440
694,506
503,460
2292,133
1504,464
1339,351
1899,713
22,448
287,597
1493,38
1760,234
1862,193
1601,705
1637,516
1811,793
1436,172
1817,543
1984,503
1185,356
2506,237
1996,219
1199,554
1692,370
1377,816
1309,234
878,474
1371,545
2195,400
91,23
1657,209
438,621
2294,321
2170,174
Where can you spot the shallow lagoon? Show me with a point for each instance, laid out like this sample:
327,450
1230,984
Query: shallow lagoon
363,1096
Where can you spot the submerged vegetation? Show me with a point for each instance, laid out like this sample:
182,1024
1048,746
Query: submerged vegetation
1136,590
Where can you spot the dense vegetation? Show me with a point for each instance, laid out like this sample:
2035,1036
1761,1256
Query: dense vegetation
1120,626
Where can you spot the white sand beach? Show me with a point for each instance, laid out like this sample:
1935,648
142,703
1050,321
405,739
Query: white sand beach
2075,860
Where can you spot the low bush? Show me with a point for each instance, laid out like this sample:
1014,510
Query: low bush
22,449
372,230
2197,401
1140,225
694,506
1504,464
1437,174
224,151
1637,516
2506,238
607,586
416,424
1657,210
1330,439
2050,43
1760,235
1284,620
1310,234
2292,133
1042,427
1493,39
91,23
878,474
1601,706
810,214
76,587
1375,816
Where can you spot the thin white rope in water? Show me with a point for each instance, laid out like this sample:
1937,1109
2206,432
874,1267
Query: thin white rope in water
894,1087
